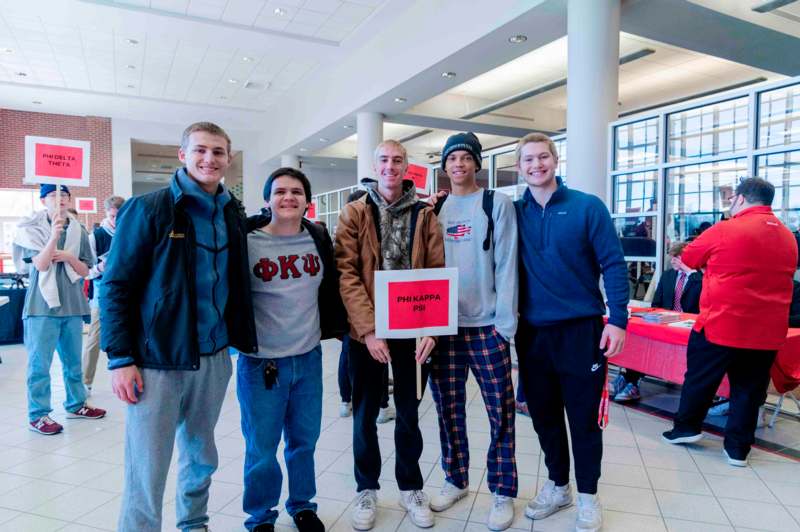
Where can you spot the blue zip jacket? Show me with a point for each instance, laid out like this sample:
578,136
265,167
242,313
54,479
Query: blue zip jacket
563,249
148,298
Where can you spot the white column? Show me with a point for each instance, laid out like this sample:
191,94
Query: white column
370,133
592,91
290,161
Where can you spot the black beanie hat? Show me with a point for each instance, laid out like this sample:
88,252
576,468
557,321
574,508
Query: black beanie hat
463,141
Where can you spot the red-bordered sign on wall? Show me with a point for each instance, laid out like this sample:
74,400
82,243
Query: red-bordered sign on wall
86,205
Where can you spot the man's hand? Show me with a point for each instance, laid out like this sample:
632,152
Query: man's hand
378,348
613,339
433,199
424,348
59,255
127,384
57,227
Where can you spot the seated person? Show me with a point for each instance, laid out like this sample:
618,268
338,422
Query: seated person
678,289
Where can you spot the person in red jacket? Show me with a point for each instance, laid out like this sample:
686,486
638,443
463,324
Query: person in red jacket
749,263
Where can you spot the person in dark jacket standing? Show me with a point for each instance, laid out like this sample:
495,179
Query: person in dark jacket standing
749,262
175,295
566,240
295,288
100,241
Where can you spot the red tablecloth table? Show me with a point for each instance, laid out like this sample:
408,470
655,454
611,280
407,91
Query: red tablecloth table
660,350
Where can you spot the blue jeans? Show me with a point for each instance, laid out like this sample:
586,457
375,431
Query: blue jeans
293,406
43,335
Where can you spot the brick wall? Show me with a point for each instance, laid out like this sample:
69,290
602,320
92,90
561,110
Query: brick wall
15,125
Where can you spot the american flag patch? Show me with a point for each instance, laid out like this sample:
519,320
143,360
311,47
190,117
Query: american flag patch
459,231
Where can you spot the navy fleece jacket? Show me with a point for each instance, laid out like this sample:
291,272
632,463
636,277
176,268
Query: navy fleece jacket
563,249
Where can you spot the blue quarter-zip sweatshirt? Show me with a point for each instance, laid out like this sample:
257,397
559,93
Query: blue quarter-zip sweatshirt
211,280
563,249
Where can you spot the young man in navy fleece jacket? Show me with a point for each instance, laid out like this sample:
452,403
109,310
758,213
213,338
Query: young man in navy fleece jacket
566,240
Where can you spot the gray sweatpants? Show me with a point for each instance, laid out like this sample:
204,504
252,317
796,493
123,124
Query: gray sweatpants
185,404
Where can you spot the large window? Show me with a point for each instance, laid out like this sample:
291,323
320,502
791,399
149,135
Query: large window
635,192
636,144
779,117
14,206
697,196
715,129
783,171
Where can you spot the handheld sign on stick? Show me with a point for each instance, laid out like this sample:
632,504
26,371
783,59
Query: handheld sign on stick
416,303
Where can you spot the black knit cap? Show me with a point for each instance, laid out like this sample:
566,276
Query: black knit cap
463,141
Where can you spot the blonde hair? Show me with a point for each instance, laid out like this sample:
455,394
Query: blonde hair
393,143
536,137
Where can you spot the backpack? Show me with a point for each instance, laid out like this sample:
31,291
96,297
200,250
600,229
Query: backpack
488,207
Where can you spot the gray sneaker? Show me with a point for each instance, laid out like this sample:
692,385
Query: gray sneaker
365,510
549,500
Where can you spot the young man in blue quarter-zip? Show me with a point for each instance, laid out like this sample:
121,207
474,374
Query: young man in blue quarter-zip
566,240
175,295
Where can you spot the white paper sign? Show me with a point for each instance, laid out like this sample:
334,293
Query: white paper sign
56,161
416,303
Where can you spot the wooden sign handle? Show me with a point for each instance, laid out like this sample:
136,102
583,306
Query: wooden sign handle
419,375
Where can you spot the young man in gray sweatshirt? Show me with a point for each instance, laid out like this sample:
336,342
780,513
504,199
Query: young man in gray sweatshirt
480,239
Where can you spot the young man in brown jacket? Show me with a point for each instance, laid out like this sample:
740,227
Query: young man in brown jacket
387,229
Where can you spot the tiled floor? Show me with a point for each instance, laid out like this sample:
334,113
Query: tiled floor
73,481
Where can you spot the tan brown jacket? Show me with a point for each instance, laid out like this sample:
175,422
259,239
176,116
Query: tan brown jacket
358,256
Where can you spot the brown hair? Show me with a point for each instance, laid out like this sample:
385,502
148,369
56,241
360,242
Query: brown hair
676,249
208,127
536,137
113,202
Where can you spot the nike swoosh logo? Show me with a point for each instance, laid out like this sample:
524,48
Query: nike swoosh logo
595,367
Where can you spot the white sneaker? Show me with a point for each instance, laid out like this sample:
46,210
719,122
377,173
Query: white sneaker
502,513
734,461
416,503
345,409
590,513
549,500
447,497
386,414
363,516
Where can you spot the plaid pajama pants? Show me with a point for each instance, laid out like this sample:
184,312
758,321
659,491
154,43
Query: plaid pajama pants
487,354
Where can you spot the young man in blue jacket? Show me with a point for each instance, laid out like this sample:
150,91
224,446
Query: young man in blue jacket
566,240
175,295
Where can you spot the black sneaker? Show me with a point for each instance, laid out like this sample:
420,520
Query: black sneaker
266,527
681,436
307,521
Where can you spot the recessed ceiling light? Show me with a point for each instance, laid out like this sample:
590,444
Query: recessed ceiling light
131,86
347,126
130,67
36,102
517,39
233,81
20,74
280,11
132,42
247,59
333,164
303,149
8,50
400,99
223,97
323,139
448,75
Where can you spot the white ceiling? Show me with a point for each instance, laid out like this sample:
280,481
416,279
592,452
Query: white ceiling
177,66
669,73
